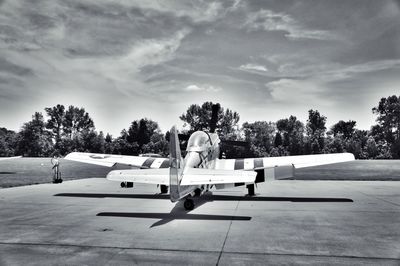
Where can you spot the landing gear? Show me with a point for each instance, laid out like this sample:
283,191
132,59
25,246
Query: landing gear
188,204
197,192
251,190
164,189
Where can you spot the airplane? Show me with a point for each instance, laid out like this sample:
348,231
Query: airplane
201,169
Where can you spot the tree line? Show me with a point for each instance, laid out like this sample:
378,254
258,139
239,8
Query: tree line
62,130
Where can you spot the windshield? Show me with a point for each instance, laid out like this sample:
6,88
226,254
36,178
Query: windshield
198,141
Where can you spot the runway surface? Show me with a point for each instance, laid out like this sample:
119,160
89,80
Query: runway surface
94,222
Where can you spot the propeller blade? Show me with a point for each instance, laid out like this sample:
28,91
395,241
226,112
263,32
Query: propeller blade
214,117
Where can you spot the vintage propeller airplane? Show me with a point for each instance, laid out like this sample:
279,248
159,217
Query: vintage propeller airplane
201,169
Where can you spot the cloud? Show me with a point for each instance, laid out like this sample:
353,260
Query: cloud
197,12
291,90
373,66
107,54
154,51
332,83
205,87
253,67
11,68
271,21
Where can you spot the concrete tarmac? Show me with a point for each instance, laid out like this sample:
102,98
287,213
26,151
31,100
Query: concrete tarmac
95,222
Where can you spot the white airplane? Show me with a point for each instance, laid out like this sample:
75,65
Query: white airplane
201,169
7,158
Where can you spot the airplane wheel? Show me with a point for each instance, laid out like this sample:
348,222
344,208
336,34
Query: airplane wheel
60,181
189,204
164,189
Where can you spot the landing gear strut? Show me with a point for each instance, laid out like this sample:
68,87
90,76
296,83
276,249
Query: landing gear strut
189,204
251,190
164,189
197,192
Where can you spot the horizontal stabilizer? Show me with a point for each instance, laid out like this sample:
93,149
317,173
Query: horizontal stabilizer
146,176
202,176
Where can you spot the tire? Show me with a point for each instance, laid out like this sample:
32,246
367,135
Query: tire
188,204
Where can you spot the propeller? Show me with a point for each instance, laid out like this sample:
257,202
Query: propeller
214,117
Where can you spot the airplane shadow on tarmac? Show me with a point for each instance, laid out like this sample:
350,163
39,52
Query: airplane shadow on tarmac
179,213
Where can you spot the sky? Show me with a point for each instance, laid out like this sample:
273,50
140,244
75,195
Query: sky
124,60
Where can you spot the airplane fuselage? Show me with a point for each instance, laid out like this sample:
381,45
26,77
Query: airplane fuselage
202,152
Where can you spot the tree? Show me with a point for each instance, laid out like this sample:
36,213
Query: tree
35,141
143,136
346,129
8,142
72,129
108,144
198,118
356,144
315,131
121,145
335,144
260,136
371,148
278,139
293,134
228,124
56,121
388,112
76,121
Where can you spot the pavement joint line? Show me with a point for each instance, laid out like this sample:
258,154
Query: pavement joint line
378,198
201,251
375,197
398,205
227,233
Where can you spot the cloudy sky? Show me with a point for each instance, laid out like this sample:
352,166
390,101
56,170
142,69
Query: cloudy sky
123,60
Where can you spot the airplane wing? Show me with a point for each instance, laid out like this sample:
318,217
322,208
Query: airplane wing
7,158
297,161
110,160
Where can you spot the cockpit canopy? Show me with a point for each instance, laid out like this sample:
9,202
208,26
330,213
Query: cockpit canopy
199,141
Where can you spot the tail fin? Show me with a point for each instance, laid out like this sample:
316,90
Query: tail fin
176,165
